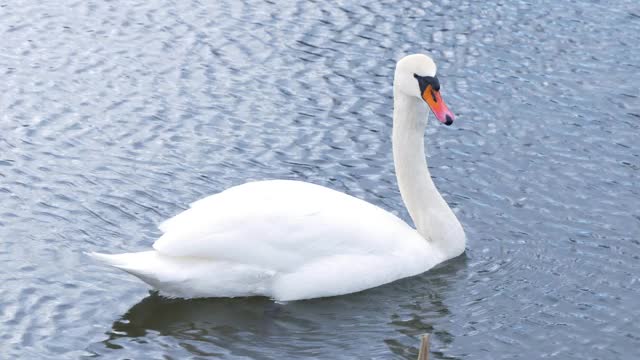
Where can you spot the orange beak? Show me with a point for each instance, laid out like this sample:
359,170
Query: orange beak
437,105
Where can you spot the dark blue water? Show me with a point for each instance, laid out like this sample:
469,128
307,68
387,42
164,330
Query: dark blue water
116,115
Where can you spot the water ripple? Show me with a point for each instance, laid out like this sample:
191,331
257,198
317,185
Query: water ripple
115,116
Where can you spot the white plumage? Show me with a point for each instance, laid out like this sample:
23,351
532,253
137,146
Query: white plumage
292,240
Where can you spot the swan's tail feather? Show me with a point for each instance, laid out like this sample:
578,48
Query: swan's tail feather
109,259
136,264
188,277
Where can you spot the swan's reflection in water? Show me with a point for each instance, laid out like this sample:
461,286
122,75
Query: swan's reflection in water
259,328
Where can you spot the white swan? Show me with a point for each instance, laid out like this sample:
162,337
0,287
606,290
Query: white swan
291,240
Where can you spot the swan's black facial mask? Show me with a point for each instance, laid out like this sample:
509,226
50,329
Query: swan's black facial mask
430,92
425,81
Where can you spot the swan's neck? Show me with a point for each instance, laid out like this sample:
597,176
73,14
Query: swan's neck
431,215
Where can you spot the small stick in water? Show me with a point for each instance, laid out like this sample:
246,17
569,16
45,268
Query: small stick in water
424,348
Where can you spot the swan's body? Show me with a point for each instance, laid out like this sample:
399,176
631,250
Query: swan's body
283,239
292,240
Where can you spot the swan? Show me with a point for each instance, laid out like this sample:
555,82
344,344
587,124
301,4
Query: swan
292,240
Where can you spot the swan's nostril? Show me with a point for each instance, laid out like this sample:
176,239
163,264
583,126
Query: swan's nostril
448,120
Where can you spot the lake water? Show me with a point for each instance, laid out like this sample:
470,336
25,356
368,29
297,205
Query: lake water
116,115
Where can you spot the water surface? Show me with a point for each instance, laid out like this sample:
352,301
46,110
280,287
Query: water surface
116,115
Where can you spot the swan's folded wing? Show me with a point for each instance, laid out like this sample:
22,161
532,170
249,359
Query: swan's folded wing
279,225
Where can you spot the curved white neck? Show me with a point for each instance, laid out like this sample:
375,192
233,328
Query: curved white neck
431,215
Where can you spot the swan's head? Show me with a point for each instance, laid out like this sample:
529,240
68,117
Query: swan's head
416,76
